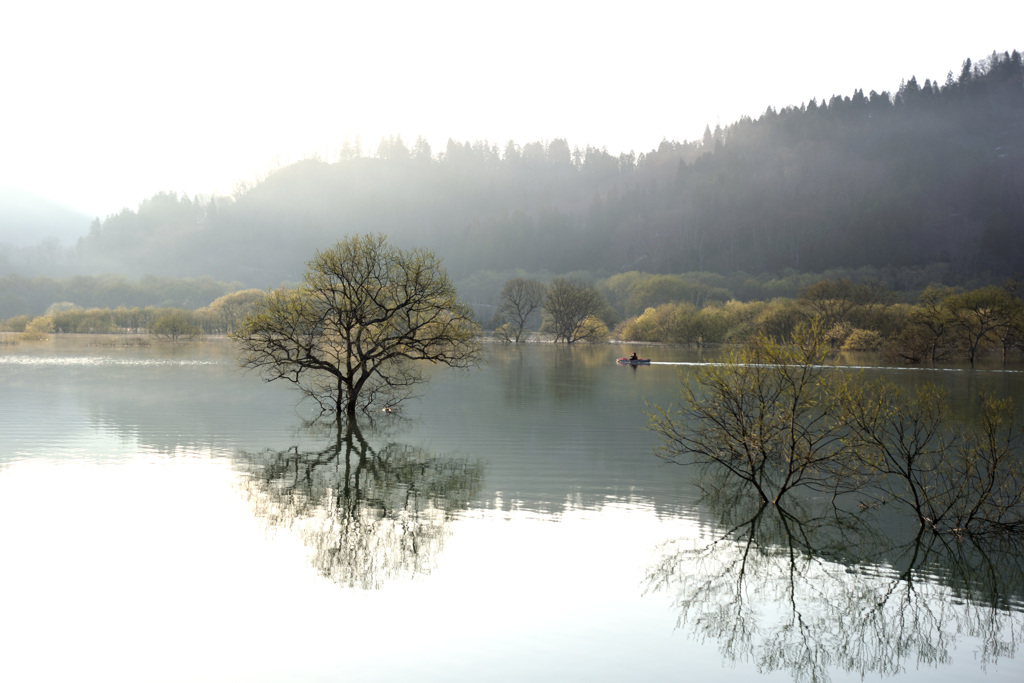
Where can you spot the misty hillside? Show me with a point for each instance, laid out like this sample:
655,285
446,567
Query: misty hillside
28,220
931,174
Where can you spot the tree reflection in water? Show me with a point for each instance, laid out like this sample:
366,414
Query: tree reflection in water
813,595
369,515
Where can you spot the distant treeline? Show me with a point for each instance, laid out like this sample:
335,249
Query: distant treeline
32,296
941,323
219,317
628,293
931,174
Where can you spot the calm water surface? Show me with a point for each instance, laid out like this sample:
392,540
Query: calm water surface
165,518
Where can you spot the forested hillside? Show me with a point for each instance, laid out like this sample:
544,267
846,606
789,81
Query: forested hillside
931,174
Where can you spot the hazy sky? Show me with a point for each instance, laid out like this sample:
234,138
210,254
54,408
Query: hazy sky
106,103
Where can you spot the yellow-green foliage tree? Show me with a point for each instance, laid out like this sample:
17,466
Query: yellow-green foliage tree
657,324
633,292
38,328
570,310
15,324
176,325
774,416
765,414
976,316
955,476
349,336
224,314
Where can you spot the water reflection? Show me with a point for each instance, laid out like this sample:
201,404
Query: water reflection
520,377
810,596
571,377
370,515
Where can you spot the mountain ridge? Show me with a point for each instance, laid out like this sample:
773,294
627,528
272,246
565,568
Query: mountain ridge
931,174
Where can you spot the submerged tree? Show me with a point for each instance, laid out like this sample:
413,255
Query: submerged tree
776,416
765,415
349,335
520,298
976,315
964,478
571,307
176,324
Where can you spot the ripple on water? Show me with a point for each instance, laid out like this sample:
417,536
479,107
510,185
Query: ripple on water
102,361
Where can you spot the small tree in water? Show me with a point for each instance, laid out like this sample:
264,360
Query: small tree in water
775,417
765,414
349,336
520,298
571,308
957,477
175,324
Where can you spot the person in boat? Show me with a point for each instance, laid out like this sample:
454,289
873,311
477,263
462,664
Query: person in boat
633,357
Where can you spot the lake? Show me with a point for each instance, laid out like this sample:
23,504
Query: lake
164,517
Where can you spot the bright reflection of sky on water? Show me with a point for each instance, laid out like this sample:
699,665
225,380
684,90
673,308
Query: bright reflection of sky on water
134,582
142,538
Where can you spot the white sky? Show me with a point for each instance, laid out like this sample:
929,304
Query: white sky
105,103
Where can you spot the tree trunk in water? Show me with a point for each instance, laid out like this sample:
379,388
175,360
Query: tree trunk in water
350,401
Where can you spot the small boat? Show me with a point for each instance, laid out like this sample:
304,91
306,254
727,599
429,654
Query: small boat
633,361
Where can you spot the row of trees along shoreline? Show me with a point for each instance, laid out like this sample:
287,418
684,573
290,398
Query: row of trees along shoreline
942,324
